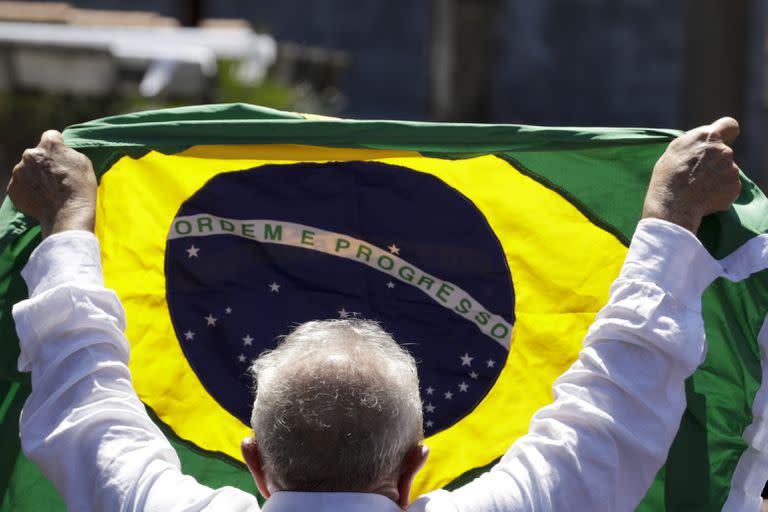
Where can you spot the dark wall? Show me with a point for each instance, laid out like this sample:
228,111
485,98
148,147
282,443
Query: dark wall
560,62
164,7
386,40
755,134
587,62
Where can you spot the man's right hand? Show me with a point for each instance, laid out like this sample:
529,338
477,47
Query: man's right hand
56,185
696,176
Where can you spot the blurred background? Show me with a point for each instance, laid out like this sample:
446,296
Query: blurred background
652,63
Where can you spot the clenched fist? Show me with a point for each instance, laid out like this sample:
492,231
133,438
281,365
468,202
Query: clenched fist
55,185
696,176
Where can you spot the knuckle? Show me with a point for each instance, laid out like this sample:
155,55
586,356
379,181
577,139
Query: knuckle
704,133
717,151
32,155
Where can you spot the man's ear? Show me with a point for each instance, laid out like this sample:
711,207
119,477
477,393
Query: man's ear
414,461
253,461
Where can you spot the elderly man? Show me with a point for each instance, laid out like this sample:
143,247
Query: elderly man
337,418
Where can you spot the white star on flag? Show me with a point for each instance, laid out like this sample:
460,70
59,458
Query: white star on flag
228,310
466,360
429,408
491,363
189,335
430,390
211,319
429,423
241,358
192,251
274,287
474,374
390,285
247,339
394,249
343,313
463,387
448,395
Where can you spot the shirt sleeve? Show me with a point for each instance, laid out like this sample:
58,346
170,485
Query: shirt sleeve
83,423
616,411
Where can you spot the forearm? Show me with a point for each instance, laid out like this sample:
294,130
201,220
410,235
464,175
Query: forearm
83,424
616,411
618,408
90,434
83,412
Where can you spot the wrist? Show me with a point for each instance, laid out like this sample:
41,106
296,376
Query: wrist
69,219
687,219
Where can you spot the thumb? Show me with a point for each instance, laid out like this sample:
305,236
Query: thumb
50,139
725,129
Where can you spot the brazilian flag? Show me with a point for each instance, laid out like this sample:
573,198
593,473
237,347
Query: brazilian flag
487,250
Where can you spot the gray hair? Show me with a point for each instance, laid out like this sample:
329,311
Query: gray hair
337,407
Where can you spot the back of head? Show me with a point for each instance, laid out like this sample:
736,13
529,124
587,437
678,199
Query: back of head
337,407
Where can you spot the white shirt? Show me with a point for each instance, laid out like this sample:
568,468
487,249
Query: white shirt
597,447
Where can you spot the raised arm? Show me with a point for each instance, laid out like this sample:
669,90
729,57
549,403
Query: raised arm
616,411
83,424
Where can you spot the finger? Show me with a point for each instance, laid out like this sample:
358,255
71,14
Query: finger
725,129
51,139
720,153
31,155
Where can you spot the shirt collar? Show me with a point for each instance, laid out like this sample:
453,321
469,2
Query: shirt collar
289,501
